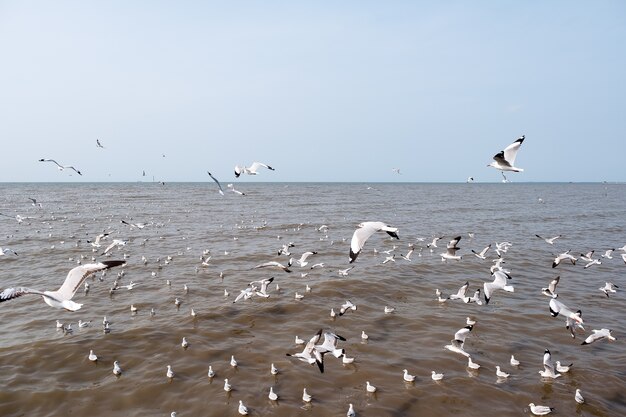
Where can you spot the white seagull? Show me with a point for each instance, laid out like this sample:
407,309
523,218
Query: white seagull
551,289
609,287
597,335
483,253
499,283
252,169
578,397
460,293
62,298
540,410
231,187
548,366
363,232
310,355
274,264
451,248
563,256
549,240
557,307
61,167
505,160
242,409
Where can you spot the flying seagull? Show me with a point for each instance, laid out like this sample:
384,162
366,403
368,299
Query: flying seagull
499,283
505,160
365,230
217,182
59,166
251,170
62,298
98,144
451,249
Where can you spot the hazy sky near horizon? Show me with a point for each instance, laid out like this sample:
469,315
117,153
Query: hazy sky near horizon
320,90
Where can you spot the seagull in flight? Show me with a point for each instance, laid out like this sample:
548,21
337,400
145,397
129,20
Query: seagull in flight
563,256
597,335
6,251
61,167
608,287
549,240
550,291
98,144
483,253
310,354
557,307
363,232
499,283
451,248
505,160
456,345
274,264
252,169
62,298
221,191
232,188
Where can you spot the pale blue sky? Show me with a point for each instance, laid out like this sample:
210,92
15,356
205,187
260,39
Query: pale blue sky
322,91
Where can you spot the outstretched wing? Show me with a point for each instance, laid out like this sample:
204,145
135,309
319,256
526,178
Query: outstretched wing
77,276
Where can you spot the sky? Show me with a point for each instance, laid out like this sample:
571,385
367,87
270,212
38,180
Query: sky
319,90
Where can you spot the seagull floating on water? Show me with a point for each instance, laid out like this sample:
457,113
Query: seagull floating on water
62,298
540,410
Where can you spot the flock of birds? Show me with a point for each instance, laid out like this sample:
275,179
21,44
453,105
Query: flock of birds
325,341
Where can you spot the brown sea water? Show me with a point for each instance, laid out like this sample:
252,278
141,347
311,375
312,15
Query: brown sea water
45,372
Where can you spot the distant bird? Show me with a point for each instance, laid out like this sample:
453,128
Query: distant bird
562,368
348,305
306,397
117,370
231,187
471,364
303,259
62,298
408,377
227,386
92,356
184,343
598,335
272,395
514,362
233,362
608,254
540,410
351,412
563,256
369,387
61,167
363,232
557,307
501,374
396,170
451,248
578,397
219,186
505,160
436,376
211,372
310,353
242,409
170,372
549,240
35,203
251,170
483,253
433,243
460,293
98,144
6,251
551,289
274,264
344,272
609,287
389,310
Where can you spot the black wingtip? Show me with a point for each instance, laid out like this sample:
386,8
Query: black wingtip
111,264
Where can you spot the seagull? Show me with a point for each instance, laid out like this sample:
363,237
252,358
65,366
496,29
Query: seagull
302,261
470,364
348,305
593,262
573,326
274,264
483,253
310,354
184,343
61,167
474,299
499,283
460,293
364,335
351,412
587,257
344,272
435,376
457,344
389,310
433,243
231,187
557,307
407,377
369,387
505,160
116,242
540,410
330,345
169,373
219,186
92,356
227,386
563,368
116,368
514,362
62,298
35,203
306,397
548,367
272,395
251,170
550,291
363,232
211,372
6,251
598,335
563,256
608,287
96,242
233,362
273,370
451,248
549,240
243,410
608,254
98,144
501,374
578,397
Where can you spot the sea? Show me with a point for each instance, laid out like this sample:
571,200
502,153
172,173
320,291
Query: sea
45,371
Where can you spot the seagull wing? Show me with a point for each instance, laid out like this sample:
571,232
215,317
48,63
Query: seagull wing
217,182
11,293
257,165
364,232
77,276
510,152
